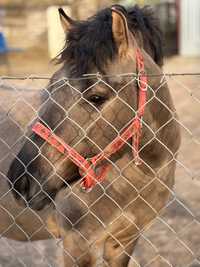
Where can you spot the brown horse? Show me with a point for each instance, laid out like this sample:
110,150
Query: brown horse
101,227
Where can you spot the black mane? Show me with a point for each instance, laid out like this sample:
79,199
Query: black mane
90,44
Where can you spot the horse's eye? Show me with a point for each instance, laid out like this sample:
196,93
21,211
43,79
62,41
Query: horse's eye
97,99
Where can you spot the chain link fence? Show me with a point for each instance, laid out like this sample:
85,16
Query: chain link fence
170,238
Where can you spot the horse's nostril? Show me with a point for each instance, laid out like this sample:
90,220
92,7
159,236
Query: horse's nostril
21,186
39,201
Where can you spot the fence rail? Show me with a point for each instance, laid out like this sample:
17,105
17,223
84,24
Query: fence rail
97,75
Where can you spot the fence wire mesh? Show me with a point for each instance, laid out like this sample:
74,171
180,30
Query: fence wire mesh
134,212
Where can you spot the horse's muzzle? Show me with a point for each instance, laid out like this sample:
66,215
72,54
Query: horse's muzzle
28,193
32,190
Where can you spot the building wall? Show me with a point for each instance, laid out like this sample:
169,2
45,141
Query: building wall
25,28
56,35
190,27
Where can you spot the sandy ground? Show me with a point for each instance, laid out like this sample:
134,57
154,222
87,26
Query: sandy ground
173,239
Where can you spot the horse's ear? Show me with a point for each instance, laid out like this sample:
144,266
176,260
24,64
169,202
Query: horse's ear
66,21
120,31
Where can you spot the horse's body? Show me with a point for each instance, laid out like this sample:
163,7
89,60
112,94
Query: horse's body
100,228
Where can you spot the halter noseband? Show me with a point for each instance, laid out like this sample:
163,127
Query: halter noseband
134,130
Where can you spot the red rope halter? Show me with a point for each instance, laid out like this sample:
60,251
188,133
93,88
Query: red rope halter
87,167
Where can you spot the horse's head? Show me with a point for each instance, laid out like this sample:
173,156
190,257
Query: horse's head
87,112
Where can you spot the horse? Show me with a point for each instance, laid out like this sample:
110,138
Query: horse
89,104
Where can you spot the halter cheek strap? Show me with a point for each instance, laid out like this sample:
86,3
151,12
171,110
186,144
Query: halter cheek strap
87,168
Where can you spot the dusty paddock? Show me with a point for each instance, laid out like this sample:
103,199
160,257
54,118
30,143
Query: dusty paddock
173,239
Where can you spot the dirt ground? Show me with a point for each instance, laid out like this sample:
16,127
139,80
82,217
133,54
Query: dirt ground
173,239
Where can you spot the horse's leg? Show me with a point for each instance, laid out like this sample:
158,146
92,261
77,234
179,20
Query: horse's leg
105,252
76,250
112,247
118,253
120,241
